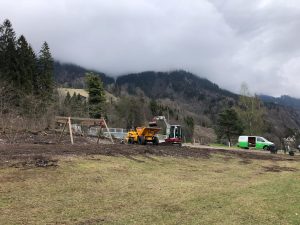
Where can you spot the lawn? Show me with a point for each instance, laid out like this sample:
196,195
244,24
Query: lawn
152,190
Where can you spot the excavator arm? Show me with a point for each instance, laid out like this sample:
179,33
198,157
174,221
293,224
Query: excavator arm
162,118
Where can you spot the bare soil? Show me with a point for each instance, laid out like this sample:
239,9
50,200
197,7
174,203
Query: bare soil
46,137
46,153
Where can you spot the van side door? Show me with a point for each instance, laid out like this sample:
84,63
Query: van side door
260,143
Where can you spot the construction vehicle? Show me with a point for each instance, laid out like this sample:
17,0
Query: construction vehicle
173,133
143,135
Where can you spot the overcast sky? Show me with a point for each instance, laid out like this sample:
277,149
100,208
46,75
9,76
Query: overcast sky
226,41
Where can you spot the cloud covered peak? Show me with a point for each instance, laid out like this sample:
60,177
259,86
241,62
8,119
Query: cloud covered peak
228,42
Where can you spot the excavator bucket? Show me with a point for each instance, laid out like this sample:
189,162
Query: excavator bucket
153,124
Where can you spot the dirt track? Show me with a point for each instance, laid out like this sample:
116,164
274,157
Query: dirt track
45,155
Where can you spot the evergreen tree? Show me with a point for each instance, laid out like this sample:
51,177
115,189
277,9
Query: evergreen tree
130,112
229,125
65,107
1,49
26,65
44,81
32,71
189,126
96,101
154,107
67,99
8,53
80,106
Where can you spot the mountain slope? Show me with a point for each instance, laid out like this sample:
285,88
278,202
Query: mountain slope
283,100
204,100
185,96
70,75
160,84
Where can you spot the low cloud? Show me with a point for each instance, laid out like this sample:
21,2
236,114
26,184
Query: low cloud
228,42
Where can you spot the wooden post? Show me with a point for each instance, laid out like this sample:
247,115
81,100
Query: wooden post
62,131
70,128
99,135
112,141
68,120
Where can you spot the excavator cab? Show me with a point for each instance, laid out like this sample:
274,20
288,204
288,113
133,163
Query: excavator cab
171,135
175,135
175,131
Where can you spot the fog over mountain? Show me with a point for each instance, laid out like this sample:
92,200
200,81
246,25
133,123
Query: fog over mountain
228,42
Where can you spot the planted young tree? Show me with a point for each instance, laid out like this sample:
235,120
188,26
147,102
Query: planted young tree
96,100
229,125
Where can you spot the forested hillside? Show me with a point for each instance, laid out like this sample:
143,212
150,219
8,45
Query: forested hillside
283,100
70,75
173,83
185,99
26,81
197,96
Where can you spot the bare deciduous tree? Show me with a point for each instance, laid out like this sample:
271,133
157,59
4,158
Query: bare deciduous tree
251,111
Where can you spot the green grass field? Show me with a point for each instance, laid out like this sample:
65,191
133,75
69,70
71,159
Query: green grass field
152,190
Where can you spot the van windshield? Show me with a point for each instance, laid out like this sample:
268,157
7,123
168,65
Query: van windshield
265,140
260,139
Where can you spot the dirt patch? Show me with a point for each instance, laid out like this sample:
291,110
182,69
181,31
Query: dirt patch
31,162
277,169
37,155
45,163
219,171
245,161
48,137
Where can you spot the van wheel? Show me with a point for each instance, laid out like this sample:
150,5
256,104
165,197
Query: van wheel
266,148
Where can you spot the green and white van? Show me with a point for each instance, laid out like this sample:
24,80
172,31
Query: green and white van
255,142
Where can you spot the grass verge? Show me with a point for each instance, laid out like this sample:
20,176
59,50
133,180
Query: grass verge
152,190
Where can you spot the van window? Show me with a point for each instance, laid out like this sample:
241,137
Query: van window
243,138
260,139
